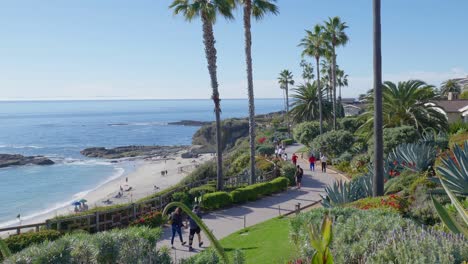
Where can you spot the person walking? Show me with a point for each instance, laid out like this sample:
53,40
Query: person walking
312,162
324,160
194,228
299,174
294,159
177,224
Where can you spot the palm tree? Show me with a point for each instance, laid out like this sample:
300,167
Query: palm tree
407,103
336,36
257,9
314,46
378,180
450,86
307,71
285,79
326,72
306,103
341,81
207,11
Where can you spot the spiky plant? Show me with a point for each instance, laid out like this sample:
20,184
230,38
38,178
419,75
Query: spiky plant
202,226
454,172
320,239
416,157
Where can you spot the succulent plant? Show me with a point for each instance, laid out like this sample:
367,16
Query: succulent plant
454,172
417,157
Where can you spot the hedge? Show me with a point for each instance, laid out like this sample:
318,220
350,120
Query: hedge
253,192
19,242
216,200
198,191
287,141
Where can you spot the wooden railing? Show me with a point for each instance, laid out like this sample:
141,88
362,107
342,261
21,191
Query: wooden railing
18,229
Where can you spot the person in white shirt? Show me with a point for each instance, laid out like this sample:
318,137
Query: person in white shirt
324,160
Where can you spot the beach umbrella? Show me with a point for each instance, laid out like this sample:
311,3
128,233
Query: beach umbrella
83,201
76,203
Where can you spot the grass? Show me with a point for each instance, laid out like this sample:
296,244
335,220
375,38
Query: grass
267,242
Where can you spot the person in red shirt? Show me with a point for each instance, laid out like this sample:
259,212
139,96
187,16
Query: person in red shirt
312,162
294,159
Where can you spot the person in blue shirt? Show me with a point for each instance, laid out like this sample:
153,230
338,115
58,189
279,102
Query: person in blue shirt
194,228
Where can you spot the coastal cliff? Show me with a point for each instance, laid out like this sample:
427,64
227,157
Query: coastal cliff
131,151
7,160
232,130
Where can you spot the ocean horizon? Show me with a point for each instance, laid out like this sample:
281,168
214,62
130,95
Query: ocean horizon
59,129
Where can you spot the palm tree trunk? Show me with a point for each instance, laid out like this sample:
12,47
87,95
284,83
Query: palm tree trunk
378,183
248,61
319,89
287,109
334,86
210,53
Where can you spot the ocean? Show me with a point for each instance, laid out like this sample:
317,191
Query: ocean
60,129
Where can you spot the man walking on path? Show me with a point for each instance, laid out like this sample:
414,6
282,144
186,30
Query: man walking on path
299,174
194,228
294,159
176,218
324,160
312,162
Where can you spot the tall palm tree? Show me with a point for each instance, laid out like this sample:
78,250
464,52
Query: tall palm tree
450,86
285,79
336,36
315,46
378,180
341,81
257,9
326,72
306,104
307,71
207,10
406,103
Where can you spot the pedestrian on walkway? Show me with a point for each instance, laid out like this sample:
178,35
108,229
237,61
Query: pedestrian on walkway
312,162
299,174
324,160
177,224
294,159
194,228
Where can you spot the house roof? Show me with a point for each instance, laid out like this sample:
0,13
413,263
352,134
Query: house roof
452,106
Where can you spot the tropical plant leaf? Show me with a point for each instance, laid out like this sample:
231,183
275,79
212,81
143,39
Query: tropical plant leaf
327,234
446,218
455,172
456,203
218,247
4,250
415,157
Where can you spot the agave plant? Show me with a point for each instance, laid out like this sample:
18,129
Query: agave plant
432,137
342,192
414,156
219,249
320,240
455,171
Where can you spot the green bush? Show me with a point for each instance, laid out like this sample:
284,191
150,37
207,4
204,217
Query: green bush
266,150
182,197
333,143
19,242
395,136
282,129
151,220
345,157
254,191
305,132
289,171
243,195
402,182
458,127
239,164
264,164
204,171
350,124
287,142
198,191
279,184
216,200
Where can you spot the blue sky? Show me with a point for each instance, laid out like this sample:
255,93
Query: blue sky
138,49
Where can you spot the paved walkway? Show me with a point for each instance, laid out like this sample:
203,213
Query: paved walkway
228,221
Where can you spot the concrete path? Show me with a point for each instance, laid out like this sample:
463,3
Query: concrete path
228,221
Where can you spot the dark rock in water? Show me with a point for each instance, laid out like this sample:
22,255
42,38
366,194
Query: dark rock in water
7,160
131,151
189,155
189,123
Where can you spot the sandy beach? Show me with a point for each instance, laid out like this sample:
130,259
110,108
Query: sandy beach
145,180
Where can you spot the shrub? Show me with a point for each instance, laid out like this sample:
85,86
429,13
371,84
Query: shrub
267,150
350,124
182,197
152,220
421,208
416,245
458,127
458,139
359,163
198,191
354,231
305,132
343,166
216,200
279,184
282,129
239,164
204,171
254,191
345,157
289,171
243,195
264,164
395,136
19,242
401,182
333,143
287,142
392,202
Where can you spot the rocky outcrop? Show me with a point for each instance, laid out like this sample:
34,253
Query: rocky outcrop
131,151
189,123
231,131
7,160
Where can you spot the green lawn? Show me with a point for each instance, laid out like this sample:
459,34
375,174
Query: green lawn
267,242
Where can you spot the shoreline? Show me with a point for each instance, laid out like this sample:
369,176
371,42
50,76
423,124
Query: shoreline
143,177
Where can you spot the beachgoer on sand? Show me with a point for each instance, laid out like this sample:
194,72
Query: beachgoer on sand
299,174
177,224
194,228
